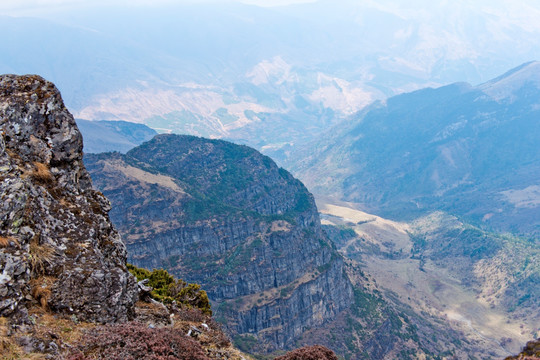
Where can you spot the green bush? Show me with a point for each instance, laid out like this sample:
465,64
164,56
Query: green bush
166,289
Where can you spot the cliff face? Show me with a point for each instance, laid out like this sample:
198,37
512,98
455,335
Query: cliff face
227,217
57,245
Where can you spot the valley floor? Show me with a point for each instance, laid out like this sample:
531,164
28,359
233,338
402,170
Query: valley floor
384,249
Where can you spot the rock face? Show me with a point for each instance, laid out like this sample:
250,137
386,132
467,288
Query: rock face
57,245
227,217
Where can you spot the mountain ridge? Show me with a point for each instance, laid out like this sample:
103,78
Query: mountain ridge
453,148
104,136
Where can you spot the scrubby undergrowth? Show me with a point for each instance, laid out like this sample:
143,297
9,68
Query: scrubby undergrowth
315,352
137,341
167,290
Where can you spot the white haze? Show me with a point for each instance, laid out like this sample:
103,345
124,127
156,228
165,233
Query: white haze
304,64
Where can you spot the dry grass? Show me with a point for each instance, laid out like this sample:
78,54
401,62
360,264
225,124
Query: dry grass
40,256
9,349
7,241
41,173
41,289
5,341
67,331
146,177
4,241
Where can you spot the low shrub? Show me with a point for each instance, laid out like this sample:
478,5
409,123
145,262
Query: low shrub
315,352
166,289
133,340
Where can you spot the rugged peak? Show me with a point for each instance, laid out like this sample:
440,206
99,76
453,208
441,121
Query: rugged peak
39,129
57,245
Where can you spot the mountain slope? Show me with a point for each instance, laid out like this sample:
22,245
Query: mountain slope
122,136
227,217
470,151
453,276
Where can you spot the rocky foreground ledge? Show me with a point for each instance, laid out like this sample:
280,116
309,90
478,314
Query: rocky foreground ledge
57,244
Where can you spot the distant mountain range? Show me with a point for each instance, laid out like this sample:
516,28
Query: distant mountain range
271,78
470,151
121,136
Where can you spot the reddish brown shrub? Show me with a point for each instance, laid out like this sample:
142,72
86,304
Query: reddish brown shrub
315,352
193,314
132,341
215,333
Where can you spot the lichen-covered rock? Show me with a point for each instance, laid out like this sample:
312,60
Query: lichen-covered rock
57,245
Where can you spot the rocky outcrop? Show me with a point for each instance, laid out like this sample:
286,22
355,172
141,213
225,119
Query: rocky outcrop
57,245
227,217
531,351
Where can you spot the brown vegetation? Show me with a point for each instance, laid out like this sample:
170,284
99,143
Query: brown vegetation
137,341
39,256
40,289
7,241
41,173
315,352
5,342
55,336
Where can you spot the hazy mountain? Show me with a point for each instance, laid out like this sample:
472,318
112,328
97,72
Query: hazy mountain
268,77
471,151
104,136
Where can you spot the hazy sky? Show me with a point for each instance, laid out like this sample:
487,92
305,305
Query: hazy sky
34,7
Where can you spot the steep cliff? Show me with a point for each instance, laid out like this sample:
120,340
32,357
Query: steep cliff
227,217
57,245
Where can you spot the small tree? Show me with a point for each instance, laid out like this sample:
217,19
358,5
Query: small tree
166,289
